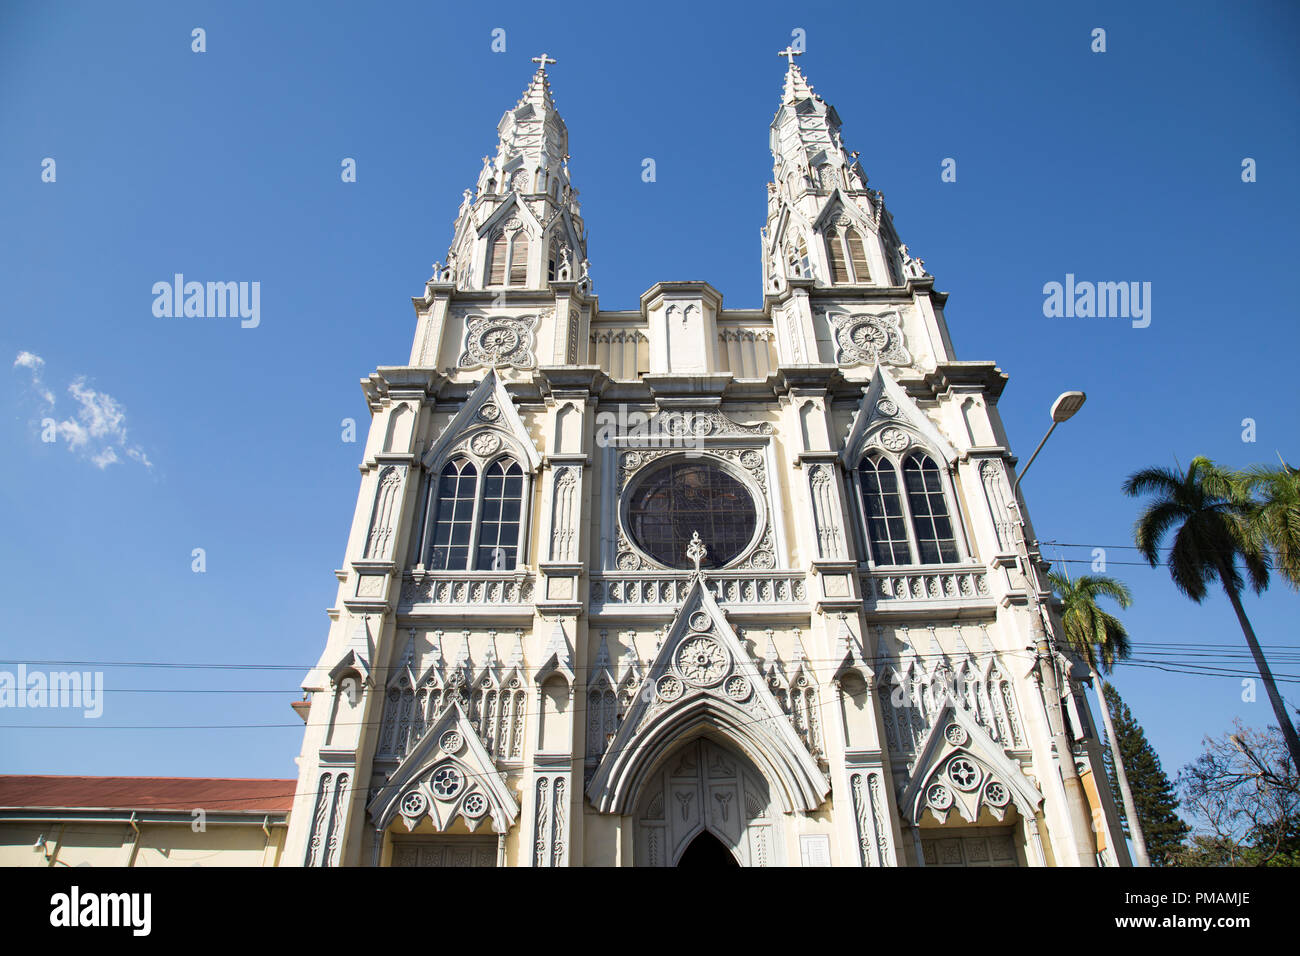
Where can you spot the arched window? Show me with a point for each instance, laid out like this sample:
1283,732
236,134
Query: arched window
847,255
508,259
800,264
498,535
497,260
476,524
886,528
456,492
906,520
519,259
930,521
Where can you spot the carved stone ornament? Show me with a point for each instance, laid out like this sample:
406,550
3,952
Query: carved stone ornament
887,408
489,412
702,660
894,439
484,444
498,341
869,339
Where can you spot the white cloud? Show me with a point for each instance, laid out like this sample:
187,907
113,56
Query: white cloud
98,430
33,362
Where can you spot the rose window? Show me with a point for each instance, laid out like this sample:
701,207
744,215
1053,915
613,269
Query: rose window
475,805
702,661
939,797
446,782
996,794
451,742
671,503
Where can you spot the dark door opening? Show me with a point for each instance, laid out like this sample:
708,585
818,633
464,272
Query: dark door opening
707,852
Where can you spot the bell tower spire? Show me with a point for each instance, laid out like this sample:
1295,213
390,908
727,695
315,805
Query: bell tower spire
822,219
520,227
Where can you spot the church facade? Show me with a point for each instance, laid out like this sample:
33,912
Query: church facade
684,583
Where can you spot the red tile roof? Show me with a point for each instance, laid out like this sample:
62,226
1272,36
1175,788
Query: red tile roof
213,794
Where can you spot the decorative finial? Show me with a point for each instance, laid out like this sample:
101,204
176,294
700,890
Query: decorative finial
790,53
543,60
696,551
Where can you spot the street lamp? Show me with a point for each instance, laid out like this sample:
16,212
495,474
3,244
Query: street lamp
1063,409
1066,404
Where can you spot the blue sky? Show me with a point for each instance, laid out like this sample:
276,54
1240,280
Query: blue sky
1122,166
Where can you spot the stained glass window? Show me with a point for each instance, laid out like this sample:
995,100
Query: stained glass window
682,498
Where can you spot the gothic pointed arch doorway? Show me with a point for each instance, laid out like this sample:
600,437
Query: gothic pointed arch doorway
707,799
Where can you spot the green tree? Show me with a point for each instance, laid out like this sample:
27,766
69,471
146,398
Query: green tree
1100,639
1211,532
1153,793
1272,501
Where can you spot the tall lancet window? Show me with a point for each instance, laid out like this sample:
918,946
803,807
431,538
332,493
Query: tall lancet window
476,520
905,511
930,521
519,259
456,493
498,535
886,528
508,258
800,263
847,255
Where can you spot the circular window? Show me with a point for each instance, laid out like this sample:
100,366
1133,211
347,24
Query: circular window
672,502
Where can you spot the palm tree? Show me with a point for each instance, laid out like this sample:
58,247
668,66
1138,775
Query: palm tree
1101,639
1272,496
1213,532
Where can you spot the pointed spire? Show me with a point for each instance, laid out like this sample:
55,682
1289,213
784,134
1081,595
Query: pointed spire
796,86
529,174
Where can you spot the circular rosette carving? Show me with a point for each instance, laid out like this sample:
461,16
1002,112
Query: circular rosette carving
869,339
446,782
498,341
489,412
996,794
700,621
669,688
474,805
894,439
737,688
451,742
627,561
887,408
750,459
484,444
631,460
414,805
939,797
763,560
701,660
956,735
963,773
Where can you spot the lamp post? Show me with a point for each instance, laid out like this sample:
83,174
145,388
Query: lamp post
1076,803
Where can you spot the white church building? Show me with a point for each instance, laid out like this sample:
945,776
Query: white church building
683,584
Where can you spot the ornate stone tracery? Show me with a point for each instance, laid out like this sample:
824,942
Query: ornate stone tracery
499,341
869,339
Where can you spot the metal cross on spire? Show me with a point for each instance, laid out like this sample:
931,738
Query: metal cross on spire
790,53
543,60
